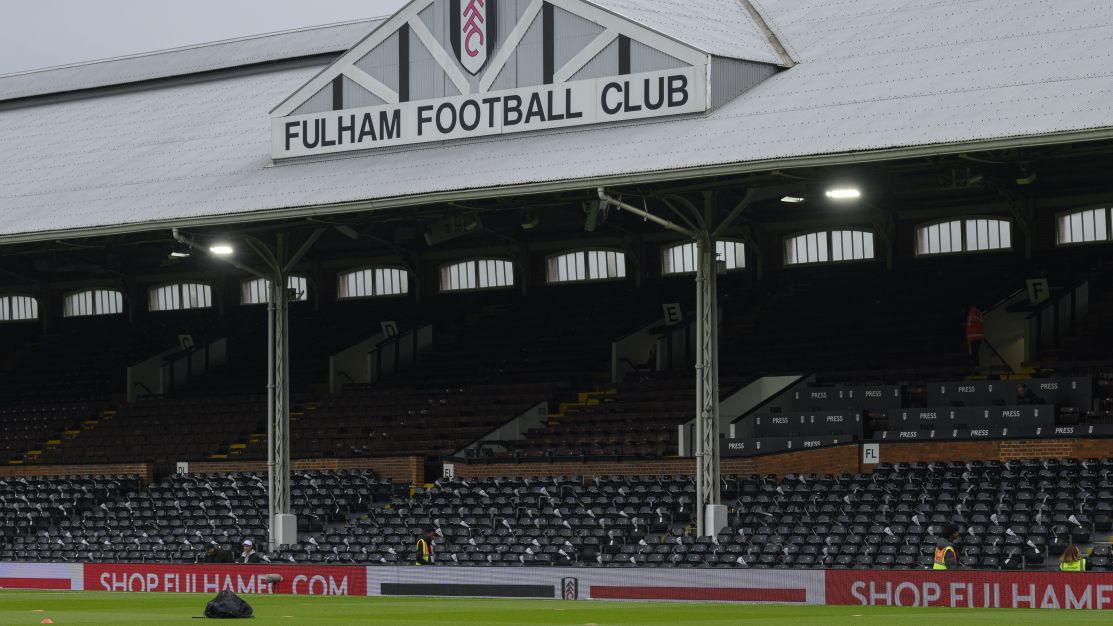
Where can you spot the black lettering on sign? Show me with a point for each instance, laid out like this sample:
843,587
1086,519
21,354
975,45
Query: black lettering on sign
568,112
607,108
346,129
512,110
446,123
469,109
423,118
291,132
536,109
651,103
678,91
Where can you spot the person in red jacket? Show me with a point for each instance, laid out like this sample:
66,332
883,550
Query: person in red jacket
975,333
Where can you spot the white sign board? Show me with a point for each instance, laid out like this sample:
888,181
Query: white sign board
673,313
1038,290
574,103
183,467
871,453
449,470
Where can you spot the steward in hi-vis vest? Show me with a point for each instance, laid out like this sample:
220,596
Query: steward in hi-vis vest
1072,560
945,555
425,549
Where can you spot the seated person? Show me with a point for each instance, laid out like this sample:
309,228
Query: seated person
249,555
1024,395
215,554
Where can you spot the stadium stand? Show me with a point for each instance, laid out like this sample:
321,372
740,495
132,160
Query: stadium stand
1013,515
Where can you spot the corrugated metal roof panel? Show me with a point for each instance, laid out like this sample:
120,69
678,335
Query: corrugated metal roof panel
718,27
201,150
190,60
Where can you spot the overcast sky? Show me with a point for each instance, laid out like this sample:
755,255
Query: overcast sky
44,33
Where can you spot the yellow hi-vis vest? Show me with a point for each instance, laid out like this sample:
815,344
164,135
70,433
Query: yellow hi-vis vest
423,552
1073,566
941,557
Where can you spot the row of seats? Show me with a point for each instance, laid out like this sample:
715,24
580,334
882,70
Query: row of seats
1013,515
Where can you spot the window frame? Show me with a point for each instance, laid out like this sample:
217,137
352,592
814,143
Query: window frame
962,222
665,250
587,266
372,269
474,261
93,290
8,300
250,281
828,247
1108,209
180,286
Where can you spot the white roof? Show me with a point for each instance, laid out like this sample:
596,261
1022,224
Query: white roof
718,27
876,79
206,57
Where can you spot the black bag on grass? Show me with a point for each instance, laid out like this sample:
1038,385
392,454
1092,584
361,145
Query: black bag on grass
228,605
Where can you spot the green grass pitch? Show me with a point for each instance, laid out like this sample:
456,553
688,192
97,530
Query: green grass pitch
87,607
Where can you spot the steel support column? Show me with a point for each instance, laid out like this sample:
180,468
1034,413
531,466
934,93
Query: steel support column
278,403
707,382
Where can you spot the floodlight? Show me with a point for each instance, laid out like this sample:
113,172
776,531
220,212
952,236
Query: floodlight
844,193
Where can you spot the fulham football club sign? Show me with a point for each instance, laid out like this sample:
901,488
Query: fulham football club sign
440,70
473,35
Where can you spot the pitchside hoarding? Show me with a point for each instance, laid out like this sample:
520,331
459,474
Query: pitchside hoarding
970,589
917,588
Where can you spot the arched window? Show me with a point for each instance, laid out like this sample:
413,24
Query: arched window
586,265
180,296
1085,226
93,302
477,274
829,246
373,281
257,291
976,234
18,309
681,258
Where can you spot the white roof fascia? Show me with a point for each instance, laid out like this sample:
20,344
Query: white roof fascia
659,176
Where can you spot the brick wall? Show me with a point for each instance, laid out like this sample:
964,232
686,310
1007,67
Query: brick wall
1000,450
835,459
832,460
401,469
145,471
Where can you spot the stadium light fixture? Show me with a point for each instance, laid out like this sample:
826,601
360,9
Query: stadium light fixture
221,249
844,193
792,199
179,254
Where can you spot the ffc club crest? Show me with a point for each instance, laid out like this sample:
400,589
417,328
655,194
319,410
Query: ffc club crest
473,34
